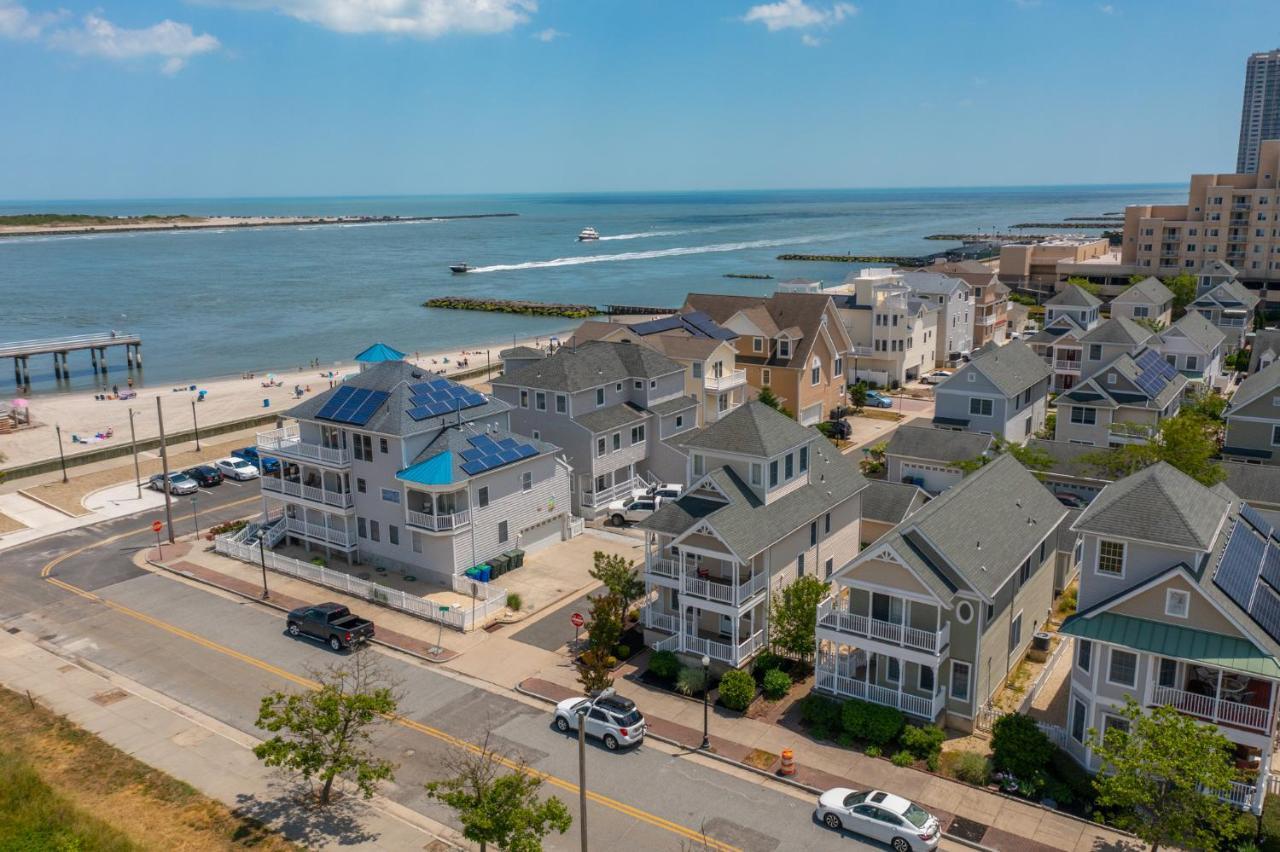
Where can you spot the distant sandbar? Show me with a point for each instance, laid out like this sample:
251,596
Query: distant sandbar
53,224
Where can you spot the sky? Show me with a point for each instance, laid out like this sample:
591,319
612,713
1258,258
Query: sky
214,98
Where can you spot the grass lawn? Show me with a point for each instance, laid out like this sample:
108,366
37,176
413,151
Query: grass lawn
62,788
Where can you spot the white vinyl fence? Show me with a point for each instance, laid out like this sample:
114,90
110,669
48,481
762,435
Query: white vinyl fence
489,600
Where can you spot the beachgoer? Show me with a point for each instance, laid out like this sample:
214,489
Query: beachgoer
131,381
115,390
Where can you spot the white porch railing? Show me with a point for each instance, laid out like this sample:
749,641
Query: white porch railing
618,491
726,593
440,523
716,649
340,499
671,643
661,620
316,532
1068,366
728,381
1131,431
831,617
663,567
1213,709
917,705
287,441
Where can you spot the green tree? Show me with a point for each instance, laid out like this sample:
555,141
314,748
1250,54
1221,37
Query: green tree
1208,404
1032,458
324,734
1186,441
1151,324
1050,426
1183,288
1154,774
769,398
1019,747
858,396
794,616
619,575
873,462
595,664
1084,284
496,807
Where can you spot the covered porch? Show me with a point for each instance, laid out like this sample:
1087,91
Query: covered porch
600,490
883,618
849,672
726,638
1215,695
700,568
310,483
442,511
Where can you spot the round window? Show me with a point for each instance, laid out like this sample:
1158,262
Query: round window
964,612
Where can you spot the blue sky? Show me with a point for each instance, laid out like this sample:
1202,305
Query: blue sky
164,98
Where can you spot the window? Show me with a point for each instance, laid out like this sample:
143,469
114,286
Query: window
600,445
482,496
382,445
390,495
617,441
894,671
637,434
980,407
393,534
697,465
653,383
679,421
773,473
361,528
537,436
562,401
925,679
757,473
374,531
363,447
360,486
1167,674
813,533
788,464
502,531
618,387
540,401
1111,558
526,481
991,612
800,565
1084,416
826,524
1123,668
960,680
1015,632
964,612
1275,436
838,370
765,376
804,459
1084,655
831,564
1079,720
815,372
1110,722
697,369
1095,349
1138,312
1024,572
1111,378
599,397
1177,602
524,399
757,344
784,348
639,385
1192,362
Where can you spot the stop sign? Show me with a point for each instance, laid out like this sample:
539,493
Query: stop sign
577,620
156,526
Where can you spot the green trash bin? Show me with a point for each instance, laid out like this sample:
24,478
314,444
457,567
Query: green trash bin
517,558
501,564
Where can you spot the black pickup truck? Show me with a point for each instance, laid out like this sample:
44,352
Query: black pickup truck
331,623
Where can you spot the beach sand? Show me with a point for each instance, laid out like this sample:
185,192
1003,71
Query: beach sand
228,399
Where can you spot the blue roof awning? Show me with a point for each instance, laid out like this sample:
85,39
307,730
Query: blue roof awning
379,352
437,470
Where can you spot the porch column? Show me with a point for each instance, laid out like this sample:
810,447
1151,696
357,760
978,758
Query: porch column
902,675
1152,674
733,636
1217,696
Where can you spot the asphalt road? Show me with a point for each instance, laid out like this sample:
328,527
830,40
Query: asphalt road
220,656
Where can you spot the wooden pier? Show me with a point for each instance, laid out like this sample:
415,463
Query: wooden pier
21,352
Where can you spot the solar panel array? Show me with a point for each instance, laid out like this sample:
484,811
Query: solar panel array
352,405
486,454
1249,572
1154,372
697,323
441,396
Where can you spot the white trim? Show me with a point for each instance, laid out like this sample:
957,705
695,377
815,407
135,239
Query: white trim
951,683
1137,659
885,553
960,617
1169,595
920,670
1124,557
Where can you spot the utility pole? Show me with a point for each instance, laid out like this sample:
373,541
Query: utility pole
195,426
164,463
133,442
582,774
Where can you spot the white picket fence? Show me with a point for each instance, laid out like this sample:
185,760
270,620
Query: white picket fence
489,600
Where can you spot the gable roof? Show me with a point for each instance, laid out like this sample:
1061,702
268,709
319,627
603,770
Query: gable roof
933,283
692,323
1255,483
518,352
1012,368
1157,504
1149,290
379,352
1194,327
1069,459
1264,340
1215,268
612,417
924,442
1073,296
1121,330
1094,391
799,314
1255,387
891,502
590,365
753,429
1229,294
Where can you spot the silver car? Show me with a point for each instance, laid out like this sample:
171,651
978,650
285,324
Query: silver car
235,468
179,483
882,816
610,718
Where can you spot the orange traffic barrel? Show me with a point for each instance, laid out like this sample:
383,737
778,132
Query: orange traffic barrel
788,763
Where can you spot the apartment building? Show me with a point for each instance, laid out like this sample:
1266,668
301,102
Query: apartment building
1148,300
1068,316
1177,607
990,299
934,615
1002,391
611,408
1123,403
769,501
793,343
1032,267
694,341
1260,111
1229,217
1253,419
402,469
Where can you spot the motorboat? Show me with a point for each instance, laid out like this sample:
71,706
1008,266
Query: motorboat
459,268
587,234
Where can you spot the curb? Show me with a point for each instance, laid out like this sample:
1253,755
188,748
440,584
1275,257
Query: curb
61,511
749,768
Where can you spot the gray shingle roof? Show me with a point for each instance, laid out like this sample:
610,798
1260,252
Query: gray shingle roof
522,352
612,417
890,502
802,311
1194,327
1012,368
1265,340
1255,483
1147,291
456,439
923,442
1229,294
1256,386
671,406
1158,504
1095,386
753,429
1073,296
748,525
934,283
1069,459
590,365
1117,330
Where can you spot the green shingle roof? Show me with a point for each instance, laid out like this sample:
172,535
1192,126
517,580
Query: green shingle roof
1172,640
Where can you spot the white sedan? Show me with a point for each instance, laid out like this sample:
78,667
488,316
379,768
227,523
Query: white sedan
882,816
234,468
936,377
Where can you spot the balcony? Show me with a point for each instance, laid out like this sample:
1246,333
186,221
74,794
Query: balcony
719,649
287,442
725,592
308,493
665,621
1130,433
887,632
621,490
661,567
847,687
728,381
1222,711
439,523
335,536
1066,366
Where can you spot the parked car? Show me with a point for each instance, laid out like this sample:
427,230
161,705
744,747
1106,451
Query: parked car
633,509
1071,501
882,816
267,464
179,483
205,475
610,718
331,623
665,491
936,377
236,468
875,399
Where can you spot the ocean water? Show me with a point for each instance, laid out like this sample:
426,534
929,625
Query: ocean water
218,302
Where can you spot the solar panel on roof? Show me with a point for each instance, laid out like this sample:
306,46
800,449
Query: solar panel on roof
1256,520
473,467
334,402
1266,611
508,456
1271,565
526,451
472,454
1237,573
508,443
482,441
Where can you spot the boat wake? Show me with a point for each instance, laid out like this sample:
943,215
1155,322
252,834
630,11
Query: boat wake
642,235
655,253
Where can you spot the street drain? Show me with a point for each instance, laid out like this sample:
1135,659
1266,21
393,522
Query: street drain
967,829
111,696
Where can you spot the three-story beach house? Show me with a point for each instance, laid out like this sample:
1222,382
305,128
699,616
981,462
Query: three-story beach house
1003,391
1123,403
1068,316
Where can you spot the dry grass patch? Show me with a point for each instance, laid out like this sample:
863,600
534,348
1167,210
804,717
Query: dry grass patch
760,759
8,524
63,788
880,414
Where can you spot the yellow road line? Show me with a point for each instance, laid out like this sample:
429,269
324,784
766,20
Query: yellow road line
435,733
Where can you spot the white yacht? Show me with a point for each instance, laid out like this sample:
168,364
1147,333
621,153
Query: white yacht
588,234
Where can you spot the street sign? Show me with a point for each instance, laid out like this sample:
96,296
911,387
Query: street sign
156,526
577,620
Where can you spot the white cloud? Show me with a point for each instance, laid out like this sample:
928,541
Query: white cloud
18,21
418,18
810,40
171,41
1107,9
797,14
549,34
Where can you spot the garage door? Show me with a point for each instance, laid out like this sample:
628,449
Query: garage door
935,478
540,535
811,415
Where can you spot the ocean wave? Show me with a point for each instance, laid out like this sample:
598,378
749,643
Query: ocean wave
656,253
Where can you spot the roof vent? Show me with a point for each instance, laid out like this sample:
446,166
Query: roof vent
979,544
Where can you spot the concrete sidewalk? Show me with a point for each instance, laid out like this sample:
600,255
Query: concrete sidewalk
212,757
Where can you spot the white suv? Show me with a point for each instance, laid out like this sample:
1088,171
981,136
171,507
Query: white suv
633,509
882,816
610,718
234,468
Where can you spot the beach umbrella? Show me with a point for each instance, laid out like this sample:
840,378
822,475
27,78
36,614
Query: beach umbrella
20,403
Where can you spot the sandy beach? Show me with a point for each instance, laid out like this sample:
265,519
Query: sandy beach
227,399
202,222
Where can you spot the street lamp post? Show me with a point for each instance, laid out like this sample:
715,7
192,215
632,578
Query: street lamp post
195,519
582,773
195,425
706,702
133,442
62,460
262,554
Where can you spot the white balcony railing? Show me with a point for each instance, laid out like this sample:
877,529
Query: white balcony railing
440,523
600,499
317,532
1131,433
730,380
663,567
1067,366
287,441
832,617
1213,709
725,592
656,620
917,705
310,493
719,649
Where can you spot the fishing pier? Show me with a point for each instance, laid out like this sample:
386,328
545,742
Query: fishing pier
21,352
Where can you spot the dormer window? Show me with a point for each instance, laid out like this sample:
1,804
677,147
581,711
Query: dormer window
789,466
757,473
773,473
804,459
757,344
784,348
599,396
